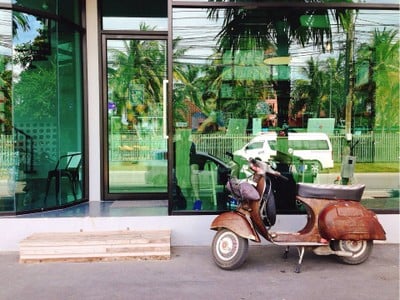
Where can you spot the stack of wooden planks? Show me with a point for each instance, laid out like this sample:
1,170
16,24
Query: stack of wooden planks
96,246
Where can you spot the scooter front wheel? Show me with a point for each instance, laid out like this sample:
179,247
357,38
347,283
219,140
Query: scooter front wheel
229,250
360,250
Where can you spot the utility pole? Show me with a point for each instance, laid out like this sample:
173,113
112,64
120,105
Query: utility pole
348,21
349,73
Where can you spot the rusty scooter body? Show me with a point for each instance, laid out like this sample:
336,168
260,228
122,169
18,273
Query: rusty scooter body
337,224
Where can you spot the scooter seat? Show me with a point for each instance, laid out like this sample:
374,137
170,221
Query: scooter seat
331,191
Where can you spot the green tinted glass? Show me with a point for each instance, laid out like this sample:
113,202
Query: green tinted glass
137,143
283,71
42,120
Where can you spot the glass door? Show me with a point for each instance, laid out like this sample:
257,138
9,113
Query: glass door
136,146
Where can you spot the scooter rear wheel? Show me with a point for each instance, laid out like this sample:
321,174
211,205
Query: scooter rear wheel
360,250
229,250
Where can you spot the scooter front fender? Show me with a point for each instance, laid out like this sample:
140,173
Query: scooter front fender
237,223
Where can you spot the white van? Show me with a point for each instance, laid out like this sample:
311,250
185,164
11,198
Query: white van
315,147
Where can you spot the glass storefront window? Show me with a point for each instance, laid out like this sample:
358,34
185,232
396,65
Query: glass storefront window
41,116
282,73
137,144
70,10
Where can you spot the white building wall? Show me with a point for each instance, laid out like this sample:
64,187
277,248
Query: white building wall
94,90
185,230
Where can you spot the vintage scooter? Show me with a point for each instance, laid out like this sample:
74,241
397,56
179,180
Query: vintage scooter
336,221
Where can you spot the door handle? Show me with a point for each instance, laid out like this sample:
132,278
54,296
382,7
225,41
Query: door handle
165,86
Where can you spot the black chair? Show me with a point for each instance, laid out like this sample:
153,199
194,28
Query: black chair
67,166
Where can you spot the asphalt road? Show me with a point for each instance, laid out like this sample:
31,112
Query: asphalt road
191,274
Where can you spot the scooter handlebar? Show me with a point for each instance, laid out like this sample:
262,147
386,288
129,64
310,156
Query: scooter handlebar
277,174
261,167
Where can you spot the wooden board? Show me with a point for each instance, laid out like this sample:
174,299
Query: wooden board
96,246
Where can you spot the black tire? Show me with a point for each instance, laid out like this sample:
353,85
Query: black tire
229,250
360,249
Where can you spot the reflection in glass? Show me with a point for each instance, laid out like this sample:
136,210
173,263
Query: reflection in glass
8,158
42,116
136,70
272,73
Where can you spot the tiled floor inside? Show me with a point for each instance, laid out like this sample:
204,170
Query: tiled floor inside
107,209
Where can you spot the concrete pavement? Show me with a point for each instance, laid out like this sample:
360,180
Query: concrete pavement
372,181
191,274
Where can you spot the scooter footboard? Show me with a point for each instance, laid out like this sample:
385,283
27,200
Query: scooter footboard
348,220
236,223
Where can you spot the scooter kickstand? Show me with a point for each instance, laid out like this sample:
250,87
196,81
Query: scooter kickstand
300,250
286,253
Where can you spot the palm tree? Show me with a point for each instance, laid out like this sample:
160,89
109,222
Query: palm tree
19,20
382,56
139,65
334,83
185,89
309,93
322,91
386,78
260,28
184,74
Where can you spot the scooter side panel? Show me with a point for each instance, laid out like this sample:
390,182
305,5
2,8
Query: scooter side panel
236,223
349,220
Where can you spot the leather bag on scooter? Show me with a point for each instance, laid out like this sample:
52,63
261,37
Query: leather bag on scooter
243,189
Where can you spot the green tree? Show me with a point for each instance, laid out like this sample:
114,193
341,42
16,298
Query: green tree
34,96
19,22
142,63
139,63
278,27
384,53
35,91
321,94
185,88
5,95
334,87
375,101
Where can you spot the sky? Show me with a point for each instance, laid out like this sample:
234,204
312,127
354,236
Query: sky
21,37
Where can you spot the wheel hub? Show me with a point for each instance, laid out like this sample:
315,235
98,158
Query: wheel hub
228,247
353,246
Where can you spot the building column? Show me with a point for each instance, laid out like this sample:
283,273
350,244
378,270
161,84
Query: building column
92,44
